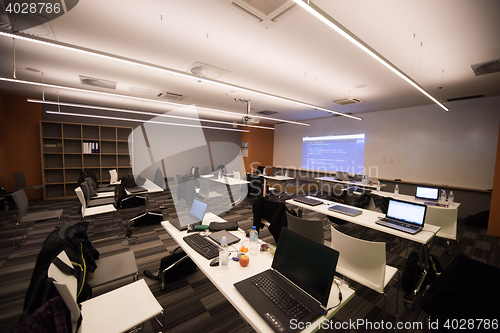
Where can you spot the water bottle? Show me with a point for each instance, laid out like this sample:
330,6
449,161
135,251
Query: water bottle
378,186
254,241
286,173
223,255
443,197
396,189
451,199
364,180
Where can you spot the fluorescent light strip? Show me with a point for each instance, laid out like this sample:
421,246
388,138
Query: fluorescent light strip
55,86
6,33
142,121
141,112
332,23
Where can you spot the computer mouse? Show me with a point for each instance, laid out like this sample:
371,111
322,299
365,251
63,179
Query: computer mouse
215,262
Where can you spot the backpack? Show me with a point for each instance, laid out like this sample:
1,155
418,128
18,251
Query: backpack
182,269
411,273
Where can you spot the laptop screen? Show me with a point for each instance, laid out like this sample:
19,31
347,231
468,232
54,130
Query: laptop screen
197,211
308,264
428,193
406,211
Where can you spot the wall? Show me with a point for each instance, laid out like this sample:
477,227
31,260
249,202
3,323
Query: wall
260,147
494,221
20,137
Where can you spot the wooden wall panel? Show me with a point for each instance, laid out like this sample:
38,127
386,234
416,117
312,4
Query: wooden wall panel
20,137
260,147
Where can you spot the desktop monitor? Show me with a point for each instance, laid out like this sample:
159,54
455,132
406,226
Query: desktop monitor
427,193
261,169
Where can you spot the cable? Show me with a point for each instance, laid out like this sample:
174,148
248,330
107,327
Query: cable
340,297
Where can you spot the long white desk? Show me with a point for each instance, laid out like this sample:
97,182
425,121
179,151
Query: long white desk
368,218
278,177
347,182
224,281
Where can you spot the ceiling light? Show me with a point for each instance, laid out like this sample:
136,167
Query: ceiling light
138,112
43,41
332,23
142,121
47,85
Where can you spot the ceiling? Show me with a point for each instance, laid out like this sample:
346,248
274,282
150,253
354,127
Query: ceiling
297,57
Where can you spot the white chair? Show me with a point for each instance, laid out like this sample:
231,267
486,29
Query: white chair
114,268
116,311
113,176
205,190
92,211
308,228
445,218
24,217
363,261
236,175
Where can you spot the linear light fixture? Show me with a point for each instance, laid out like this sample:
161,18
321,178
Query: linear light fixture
95,107
55,86
43,41
143,121
335,25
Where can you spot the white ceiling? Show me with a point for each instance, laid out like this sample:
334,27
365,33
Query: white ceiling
298,57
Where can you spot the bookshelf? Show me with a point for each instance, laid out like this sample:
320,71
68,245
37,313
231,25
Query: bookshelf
65,152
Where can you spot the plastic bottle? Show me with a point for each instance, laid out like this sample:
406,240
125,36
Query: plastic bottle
223,255
286,173
378,186
443,197
254,241
364,180
396,189
451,199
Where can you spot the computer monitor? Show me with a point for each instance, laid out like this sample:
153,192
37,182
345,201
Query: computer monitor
427,193
261,169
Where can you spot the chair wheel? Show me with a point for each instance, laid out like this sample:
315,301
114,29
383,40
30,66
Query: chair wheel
409,305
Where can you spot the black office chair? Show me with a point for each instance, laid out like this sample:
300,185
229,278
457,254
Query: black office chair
20,182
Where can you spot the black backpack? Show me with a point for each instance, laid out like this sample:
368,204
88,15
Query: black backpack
411,273
184,266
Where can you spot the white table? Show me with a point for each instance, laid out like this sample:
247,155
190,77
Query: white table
278,177
347,182
224,281
367,219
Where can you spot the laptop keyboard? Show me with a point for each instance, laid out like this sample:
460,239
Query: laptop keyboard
202,245
401,224
293,308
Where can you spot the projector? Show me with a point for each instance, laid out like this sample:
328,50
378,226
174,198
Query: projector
249,120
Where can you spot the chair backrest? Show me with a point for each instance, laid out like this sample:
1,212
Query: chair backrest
445,218
308,228
360,260
66,285
86,192
80,196
204,188
22,203
19,179
236,175
113,176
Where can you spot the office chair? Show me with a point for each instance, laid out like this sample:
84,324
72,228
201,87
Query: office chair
116,311
446,219
24,217
312,229
364,262
20,182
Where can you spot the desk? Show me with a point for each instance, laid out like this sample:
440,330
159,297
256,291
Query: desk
224,281
278,177
367,219
347,182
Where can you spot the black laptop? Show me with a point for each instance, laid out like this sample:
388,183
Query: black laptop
404,216
308,201
303,270
195,216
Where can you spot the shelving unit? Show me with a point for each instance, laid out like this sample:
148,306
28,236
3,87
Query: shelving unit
63,155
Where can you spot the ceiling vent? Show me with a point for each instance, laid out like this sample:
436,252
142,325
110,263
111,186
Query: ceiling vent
95,82
265,12
486,67
159,94
348,100
463,98
208,71
267,112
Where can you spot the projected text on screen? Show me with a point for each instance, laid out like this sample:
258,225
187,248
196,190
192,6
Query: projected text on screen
334,153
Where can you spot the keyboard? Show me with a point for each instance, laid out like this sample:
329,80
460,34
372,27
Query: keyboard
402,226
202,245
293,308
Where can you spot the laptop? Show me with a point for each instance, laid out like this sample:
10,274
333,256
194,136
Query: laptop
303,269
404,216
345,210
195,216
427,193
230,238
308,201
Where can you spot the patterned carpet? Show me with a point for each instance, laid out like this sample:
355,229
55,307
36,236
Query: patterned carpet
193,304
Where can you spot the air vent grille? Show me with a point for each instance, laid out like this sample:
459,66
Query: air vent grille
348,100
95,82
208,71
486,67
267,112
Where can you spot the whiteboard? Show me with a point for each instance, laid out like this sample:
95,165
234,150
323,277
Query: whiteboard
422,144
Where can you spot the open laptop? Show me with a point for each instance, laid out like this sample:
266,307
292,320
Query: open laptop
301,268
195,216
404,216
427,193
